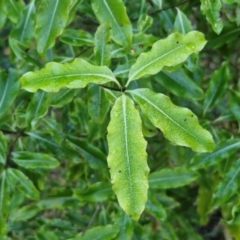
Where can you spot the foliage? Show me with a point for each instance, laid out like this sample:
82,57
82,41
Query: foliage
119,119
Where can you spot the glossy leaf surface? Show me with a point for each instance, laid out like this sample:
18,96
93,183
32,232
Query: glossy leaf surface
171,178
114,12
127,157
179,125
51,19
167,52
71,75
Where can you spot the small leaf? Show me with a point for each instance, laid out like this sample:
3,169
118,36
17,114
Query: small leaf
98,105
114,12
107,232
9,87
222,151
45,235
182,23
171,178
51,19
216,86
62,98
212,11
127,159
71,75
77,37
180,84
97,192
14,10
23,183
102,49
179,125
144,22
3,148
31,160
228,185
3,13
235,104
167,52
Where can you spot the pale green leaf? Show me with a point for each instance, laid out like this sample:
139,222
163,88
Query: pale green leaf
9,87
3,148
179,125
166,53
77,37
98,105
51,19
144,22
114,12
107,232
228,185
222,151
171,178
212,11
97,192
235,104
71,75
182,23
180,84
217,86
102,49
31,160
14,9
4,203
23,183
127,157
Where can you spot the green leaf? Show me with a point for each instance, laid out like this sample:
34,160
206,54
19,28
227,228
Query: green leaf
46,235
235,104
228,186
23,183
217,86
212,11
31,160
107,232
222,151
3,148
167,52
180,84
114,12
77,74
127,157
9,88
98,105
14,10
179,125
182,23
97,192
51,19
3,13
171,178
77,37
144,22
62,98
102,49
4,203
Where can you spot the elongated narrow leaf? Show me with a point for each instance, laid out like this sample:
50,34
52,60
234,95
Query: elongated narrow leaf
44,235
182,23
3,13
102,48
51,19
222,151
114,12
3,148
212,11
23,183
180,84
217,86
71,75
235,105
4,203
97,192
31,160
9,87
107,232
77,37
179,125
167,52
228,186
171,178
98,105
127,157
